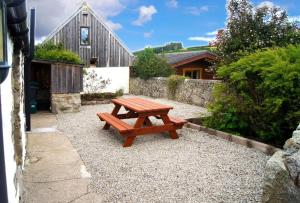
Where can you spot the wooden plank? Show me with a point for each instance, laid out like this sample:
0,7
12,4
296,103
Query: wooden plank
115,122
130,105
153,129
151,104
141,105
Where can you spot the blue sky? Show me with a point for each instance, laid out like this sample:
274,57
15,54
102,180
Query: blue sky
141,23
190,18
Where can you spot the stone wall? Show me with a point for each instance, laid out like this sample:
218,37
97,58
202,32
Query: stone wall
197,92
282,179
65,103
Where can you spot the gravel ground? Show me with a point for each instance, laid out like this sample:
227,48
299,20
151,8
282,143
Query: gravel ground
180,110
196,167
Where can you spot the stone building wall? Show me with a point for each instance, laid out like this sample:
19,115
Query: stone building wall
282,179
65,103
13,122
191,91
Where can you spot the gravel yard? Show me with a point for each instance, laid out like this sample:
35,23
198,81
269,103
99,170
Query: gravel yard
196,167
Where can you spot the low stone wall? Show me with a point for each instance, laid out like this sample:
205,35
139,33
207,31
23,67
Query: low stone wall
282,179
65,103
197,92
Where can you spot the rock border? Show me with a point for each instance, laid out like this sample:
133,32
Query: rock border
265,148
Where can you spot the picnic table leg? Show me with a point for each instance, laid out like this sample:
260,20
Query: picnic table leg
130,138
167,120
129,141
148,122
114,113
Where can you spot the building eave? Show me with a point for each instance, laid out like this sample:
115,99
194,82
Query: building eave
195,58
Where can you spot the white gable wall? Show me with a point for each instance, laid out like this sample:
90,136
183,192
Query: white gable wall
118,76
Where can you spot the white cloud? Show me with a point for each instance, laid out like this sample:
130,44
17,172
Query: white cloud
294,19
145,15
51,14
112,25
213,33
172,3
196,10
201,38
268,4
148,34
40,40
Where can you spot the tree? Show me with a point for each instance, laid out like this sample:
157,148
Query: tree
251,28
148,65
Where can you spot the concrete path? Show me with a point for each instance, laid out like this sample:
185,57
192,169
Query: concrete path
54,171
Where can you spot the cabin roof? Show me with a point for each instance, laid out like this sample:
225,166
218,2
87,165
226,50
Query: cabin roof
86,7
180,58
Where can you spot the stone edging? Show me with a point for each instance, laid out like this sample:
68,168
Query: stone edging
265,148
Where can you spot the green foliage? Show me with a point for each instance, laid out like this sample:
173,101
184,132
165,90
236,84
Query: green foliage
173,46
98,96
173,82
259,95
251,28
51,52
176,50
148,65
119,93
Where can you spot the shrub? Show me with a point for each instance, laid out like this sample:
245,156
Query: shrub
94,83
119,93
50,51
149,65
260,95
173,82
98,96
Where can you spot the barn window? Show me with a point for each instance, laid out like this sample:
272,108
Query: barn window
84,36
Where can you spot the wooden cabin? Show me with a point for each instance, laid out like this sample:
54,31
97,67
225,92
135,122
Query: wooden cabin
86,34
193,64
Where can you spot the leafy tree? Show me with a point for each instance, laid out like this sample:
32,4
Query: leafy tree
148,65
260,95
250,28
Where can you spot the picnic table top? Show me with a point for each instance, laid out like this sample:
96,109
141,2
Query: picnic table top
140,105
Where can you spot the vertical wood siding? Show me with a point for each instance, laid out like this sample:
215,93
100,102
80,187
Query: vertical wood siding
66,78
103,44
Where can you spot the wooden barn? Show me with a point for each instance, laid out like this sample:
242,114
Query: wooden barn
86,34
193,64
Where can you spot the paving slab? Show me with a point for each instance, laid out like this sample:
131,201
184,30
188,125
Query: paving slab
54,171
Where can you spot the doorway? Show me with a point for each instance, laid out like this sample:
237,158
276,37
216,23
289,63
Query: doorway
40,87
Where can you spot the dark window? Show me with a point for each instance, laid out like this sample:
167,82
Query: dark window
93,61
84,36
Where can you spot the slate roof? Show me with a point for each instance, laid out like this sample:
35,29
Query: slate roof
174,58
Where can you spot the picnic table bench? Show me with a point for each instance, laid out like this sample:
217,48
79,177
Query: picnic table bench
141,109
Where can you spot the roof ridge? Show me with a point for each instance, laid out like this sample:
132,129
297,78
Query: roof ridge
83,7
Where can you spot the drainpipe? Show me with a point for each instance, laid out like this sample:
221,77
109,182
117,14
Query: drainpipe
3,186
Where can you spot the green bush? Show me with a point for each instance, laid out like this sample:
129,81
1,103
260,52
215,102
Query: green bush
173,82
51,52
148,65
98,96
259,96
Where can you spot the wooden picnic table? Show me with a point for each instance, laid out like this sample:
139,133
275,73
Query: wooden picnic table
141,109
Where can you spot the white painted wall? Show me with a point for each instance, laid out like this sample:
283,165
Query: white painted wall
119,78
7,108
